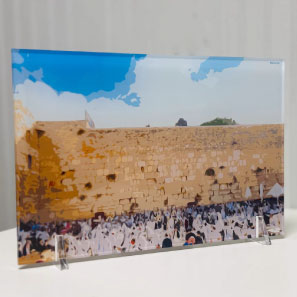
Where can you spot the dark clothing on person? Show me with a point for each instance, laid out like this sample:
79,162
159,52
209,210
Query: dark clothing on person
167,243
235,236
198,240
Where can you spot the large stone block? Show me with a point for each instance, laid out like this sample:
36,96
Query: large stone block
227,198
223,187
173,188
224,192
125,201
215,187
217,199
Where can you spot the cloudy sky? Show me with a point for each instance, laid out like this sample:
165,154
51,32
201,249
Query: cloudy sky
123,90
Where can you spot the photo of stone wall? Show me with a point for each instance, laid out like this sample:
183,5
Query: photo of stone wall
68,171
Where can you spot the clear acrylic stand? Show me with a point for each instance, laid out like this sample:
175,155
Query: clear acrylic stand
60,253
261,231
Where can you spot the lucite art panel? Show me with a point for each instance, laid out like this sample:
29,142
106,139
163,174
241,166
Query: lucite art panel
124,153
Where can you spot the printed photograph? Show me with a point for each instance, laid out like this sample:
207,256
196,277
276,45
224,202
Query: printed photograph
125,153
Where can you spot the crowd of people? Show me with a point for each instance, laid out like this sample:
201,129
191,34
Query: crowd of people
170,227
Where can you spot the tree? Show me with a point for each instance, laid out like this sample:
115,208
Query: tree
181,122
220,122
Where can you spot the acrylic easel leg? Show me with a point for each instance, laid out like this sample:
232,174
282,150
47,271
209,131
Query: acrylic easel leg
60,253
261,231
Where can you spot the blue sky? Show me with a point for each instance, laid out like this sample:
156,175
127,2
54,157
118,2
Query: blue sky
215,64
128,90
90,74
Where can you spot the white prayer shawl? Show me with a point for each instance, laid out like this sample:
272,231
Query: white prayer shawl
228,233
24,235
85,229
196,224
119,240
276,221
106,246
126,243
206,231
142,242
281,220
72,246
248,193
214,235
220,222
156,240
244,229
238,232
112,239
171,223
43,235
150,229
249,212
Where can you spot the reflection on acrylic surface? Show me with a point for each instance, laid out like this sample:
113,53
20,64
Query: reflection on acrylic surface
122,153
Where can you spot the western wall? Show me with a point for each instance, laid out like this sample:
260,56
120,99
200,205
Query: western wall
66,171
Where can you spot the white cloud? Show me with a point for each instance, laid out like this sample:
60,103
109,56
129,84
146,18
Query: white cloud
250,94
45,105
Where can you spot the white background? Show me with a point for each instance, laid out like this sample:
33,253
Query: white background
251,28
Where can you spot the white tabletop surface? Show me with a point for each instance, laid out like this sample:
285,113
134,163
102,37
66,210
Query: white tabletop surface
244,269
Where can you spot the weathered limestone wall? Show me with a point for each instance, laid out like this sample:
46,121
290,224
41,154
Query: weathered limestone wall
76,172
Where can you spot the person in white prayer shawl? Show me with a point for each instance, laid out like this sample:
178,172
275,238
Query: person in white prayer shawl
142,242
126,242
156,240
150,228
206,230
276,223
197,223
106,246
83,246
214,234
228,231
220,222
113,239
72,250
27,247
85,229
132,246
248,193
119,240
24,236
244,229
237,231
249,212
